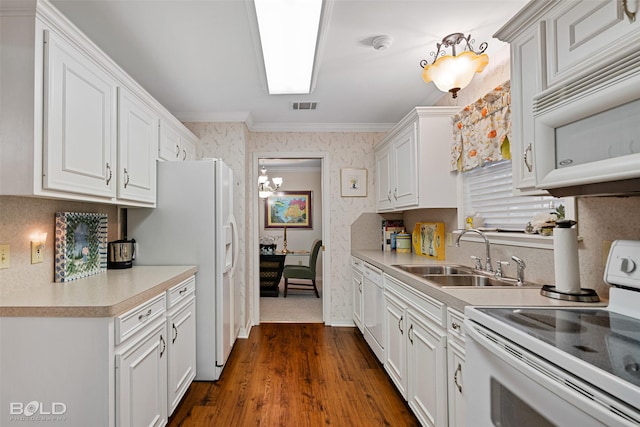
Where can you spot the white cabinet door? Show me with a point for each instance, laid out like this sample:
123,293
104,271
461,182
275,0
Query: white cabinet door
581,33
188,148
395,362
141,379
455,367
182,351
79,122
357,297
383,178
405,168
170,145
427,370
137,148
527,80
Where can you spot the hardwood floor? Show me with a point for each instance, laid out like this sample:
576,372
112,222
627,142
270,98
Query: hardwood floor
297,375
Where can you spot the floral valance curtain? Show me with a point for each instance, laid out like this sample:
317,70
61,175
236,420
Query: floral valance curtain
481,131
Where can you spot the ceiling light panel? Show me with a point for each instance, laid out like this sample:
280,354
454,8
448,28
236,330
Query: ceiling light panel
288,34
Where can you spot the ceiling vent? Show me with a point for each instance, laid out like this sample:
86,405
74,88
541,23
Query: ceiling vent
304,105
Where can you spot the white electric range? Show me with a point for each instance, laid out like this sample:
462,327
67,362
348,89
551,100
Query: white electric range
559,366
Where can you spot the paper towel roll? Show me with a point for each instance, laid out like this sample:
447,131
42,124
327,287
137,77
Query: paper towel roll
565,257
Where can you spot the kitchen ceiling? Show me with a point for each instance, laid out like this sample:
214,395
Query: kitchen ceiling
201,59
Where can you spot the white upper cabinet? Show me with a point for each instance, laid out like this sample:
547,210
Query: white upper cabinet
79,122
66,133
137,147
176,145
412,162
582,35
528,78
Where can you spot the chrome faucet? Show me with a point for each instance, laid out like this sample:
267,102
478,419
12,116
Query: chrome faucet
521,266
488,265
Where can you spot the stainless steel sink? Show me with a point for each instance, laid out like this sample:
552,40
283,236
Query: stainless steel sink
455,276
470,280
425,270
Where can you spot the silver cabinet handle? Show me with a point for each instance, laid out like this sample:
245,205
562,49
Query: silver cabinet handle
182,291
110,173
177,151
184,154
164,346
400,325
389,195
145,316
409,334
455,377
175,333
395,193
630,15
126,175
525,158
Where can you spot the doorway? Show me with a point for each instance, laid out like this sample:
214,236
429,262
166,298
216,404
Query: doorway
301,173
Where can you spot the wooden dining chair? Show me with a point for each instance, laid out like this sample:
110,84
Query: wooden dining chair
303,272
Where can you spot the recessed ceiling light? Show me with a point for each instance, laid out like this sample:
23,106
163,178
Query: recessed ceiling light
288,34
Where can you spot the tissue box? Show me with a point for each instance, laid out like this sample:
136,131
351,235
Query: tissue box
428,240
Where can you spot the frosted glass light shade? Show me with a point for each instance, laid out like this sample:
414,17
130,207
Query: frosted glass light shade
452,73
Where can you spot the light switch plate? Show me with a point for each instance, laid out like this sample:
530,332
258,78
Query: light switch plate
4,256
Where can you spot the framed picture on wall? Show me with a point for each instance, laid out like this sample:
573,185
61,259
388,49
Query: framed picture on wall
353,182
290,208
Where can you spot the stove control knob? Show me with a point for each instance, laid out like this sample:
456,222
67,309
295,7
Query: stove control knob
627,265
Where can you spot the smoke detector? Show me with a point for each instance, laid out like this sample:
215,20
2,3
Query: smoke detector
381,42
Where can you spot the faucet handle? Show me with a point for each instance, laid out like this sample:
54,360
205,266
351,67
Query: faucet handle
499,264
478,262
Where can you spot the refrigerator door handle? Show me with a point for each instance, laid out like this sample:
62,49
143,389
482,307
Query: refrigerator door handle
234,243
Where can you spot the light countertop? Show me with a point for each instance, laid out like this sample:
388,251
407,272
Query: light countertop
102,295
458,298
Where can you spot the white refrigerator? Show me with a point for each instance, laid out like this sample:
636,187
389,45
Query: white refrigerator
193,224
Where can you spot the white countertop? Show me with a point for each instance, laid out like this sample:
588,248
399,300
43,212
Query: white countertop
102,295
458,298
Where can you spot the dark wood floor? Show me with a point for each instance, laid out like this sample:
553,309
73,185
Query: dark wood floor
297,375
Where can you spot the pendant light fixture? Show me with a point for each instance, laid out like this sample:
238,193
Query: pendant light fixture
264,185
450,73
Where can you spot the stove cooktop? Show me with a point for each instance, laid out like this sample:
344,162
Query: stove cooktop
604,339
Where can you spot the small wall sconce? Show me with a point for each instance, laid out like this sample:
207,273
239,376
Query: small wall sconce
37,247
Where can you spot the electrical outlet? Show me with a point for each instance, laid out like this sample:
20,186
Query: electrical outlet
37,252
449,239
4,256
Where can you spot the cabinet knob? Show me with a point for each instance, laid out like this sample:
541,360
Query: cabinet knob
455,326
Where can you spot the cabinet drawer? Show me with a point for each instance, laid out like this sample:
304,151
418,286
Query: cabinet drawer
132,321
181,291
455,319
426,305
372,273
357,263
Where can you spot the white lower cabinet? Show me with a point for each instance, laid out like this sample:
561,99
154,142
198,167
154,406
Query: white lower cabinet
181,325
141,378
415,350
455,368
357,279
128,370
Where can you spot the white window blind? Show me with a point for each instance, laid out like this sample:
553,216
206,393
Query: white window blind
488,191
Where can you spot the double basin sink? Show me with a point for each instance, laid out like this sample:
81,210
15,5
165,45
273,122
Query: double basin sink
448,276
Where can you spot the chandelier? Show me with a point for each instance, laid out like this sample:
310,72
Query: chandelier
450,73
264,185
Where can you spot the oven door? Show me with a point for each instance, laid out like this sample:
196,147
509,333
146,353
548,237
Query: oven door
508,387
